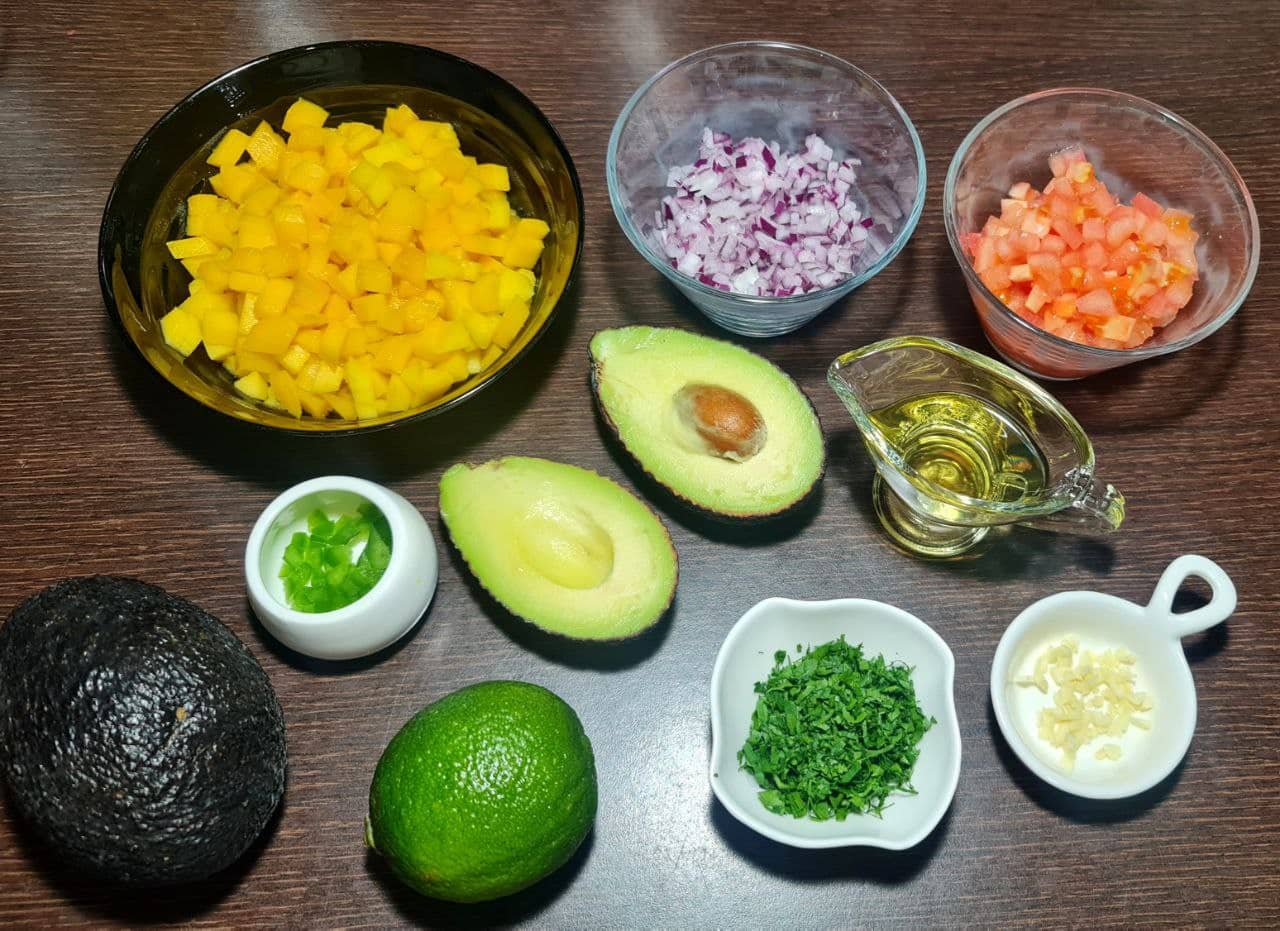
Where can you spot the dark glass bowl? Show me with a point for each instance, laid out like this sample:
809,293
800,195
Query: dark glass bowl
353,81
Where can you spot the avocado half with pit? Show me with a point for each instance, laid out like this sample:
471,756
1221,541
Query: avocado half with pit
721,428
561,547
138,736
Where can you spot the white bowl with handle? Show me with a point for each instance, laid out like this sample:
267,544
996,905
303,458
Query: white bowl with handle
747,657
1153,634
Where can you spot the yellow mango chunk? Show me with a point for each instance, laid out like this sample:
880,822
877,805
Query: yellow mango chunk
264,148
230,147
302,113
253,385
191,247
181,330
271,336
286,392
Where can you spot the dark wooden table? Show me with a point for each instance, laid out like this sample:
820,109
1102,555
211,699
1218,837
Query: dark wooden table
103,468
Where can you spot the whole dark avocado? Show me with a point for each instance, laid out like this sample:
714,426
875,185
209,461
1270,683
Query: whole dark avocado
138,735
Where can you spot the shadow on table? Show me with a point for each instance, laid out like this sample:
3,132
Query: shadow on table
1066,805
1109,402
886,867
103,900
603,655
327,667
276,459
513,909
1007,552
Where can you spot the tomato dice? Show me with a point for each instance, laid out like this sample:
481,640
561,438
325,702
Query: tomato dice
1074,261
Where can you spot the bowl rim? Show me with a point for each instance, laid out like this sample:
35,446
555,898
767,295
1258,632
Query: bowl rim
339,428
679,278
1009,641
1112,355
949,719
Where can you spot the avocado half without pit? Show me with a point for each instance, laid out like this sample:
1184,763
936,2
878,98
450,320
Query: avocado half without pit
561,547
139,738
719,427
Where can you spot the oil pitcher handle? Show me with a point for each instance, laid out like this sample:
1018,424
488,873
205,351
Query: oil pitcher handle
1098,508
1219,608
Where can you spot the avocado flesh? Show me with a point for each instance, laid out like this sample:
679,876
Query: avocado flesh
638,373
138,735
561,547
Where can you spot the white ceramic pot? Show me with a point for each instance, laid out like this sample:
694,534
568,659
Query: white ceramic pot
383,615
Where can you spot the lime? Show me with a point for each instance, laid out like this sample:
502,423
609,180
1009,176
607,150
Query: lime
483,792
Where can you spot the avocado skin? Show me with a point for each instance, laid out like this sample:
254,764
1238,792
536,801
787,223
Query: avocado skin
97,758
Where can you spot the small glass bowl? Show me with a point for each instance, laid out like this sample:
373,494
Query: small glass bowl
1135,145
776,91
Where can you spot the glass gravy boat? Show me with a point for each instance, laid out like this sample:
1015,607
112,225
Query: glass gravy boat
962,443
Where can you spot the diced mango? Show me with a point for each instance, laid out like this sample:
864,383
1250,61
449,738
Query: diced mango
509,325
253,385
229,149
286,392
271,336
181,330
246,281
480,328
191,247
522,252
303,113
352,271
264,148
492,177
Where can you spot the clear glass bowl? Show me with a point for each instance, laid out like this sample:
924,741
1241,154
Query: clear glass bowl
1136,146
775,91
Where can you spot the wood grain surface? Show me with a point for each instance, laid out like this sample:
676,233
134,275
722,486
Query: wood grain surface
104,468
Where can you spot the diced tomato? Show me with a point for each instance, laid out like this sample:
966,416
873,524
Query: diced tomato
1118,328
1179,293
1097,303
1075,262
1101,202
1124,258
1159,310
1068,232
1094,255
1144,204
1053,244
996,278
1064,305
1120,228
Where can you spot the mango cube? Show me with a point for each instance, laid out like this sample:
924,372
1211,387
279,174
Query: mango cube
303,113
181,330
229,149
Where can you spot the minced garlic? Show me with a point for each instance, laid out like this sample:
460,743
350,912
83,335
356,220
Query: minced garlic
1094,698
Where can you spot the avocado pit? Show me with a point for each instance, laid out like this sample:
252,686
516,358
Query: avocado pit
725,423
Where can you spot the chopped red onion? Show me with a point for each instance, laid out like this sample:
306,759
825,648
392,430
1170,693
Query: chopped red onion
750,218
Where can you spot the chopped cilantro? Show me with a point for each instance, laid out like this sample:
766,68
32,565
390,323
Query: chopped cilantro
833,733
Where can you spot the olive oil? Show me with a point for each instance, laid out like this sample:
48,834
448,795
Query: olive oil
965,445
